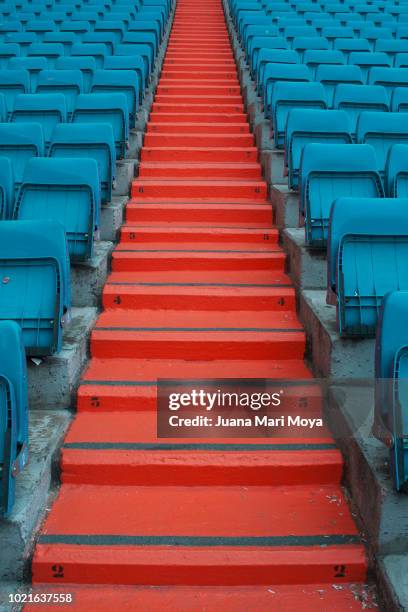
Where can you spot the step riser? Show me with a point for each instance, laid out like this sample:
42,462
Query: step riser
197,90
142,189
185,172
172,154
176,345
85,565
164,118
261,217
147,469
123,297
198,140
196,128
136,235
196,108
124,263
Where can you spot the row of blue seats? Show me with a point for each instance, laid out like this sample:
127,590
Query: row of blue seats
70,84
55,214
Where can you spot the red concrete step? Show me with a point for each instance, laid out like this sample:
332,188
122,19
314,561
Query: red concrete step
274,598
198,215
161,188
143,259
160,117
147,234
216,536
198,89
123,449
170,107
124,291
212,66
197,128
201,74
199,170
130,384
196,334
193,139
199,154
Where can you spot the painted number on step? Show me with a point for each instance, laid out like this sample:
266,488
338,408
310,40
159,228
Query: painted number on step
57,571
339,571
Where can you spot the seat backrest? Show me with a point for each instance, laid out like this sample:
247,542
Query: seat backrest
348,45
48,110
288,95
304,43
6,188
68,82
396,174
87,66
356,98
34,262
399,100
366,60
66,39
331,171
401,60
128,62
273,55
118,81
90,140
107,38
314,57
66,190
379,223
51,51
388,77
311,125
391,46
105,108
137,49
382,130
13,82
281,72
96,50
8,50
331,76
21,142
13,412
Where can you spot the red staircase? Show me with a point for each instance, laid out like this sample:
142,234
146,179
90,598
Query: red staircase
197,290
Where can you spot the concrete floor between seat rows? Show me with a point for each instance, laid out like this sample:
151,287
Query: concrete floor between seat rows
237,525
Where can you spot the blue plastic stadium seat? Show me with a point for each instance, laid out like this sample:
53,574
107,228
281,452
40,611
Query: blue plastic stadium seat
272,56
90,140
295,31
33,65
281,72
22,39
119,81
396,175
66,39
8,27
331,76
48,110
87,66
391,373
401,60
350,45
106,38
366,61
96,50
12,83
357,98
390,78
20,143
301,44
65,190
129,62
8,50
68,82
115,27
310,125
51,51
313,58
286,96
328,172
106,108
149,31
368,240
399,100
373,34
264,42
13,412
137,49
382,131
255,35
6,188
39,27
78,27
35,292
333,32
391,46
